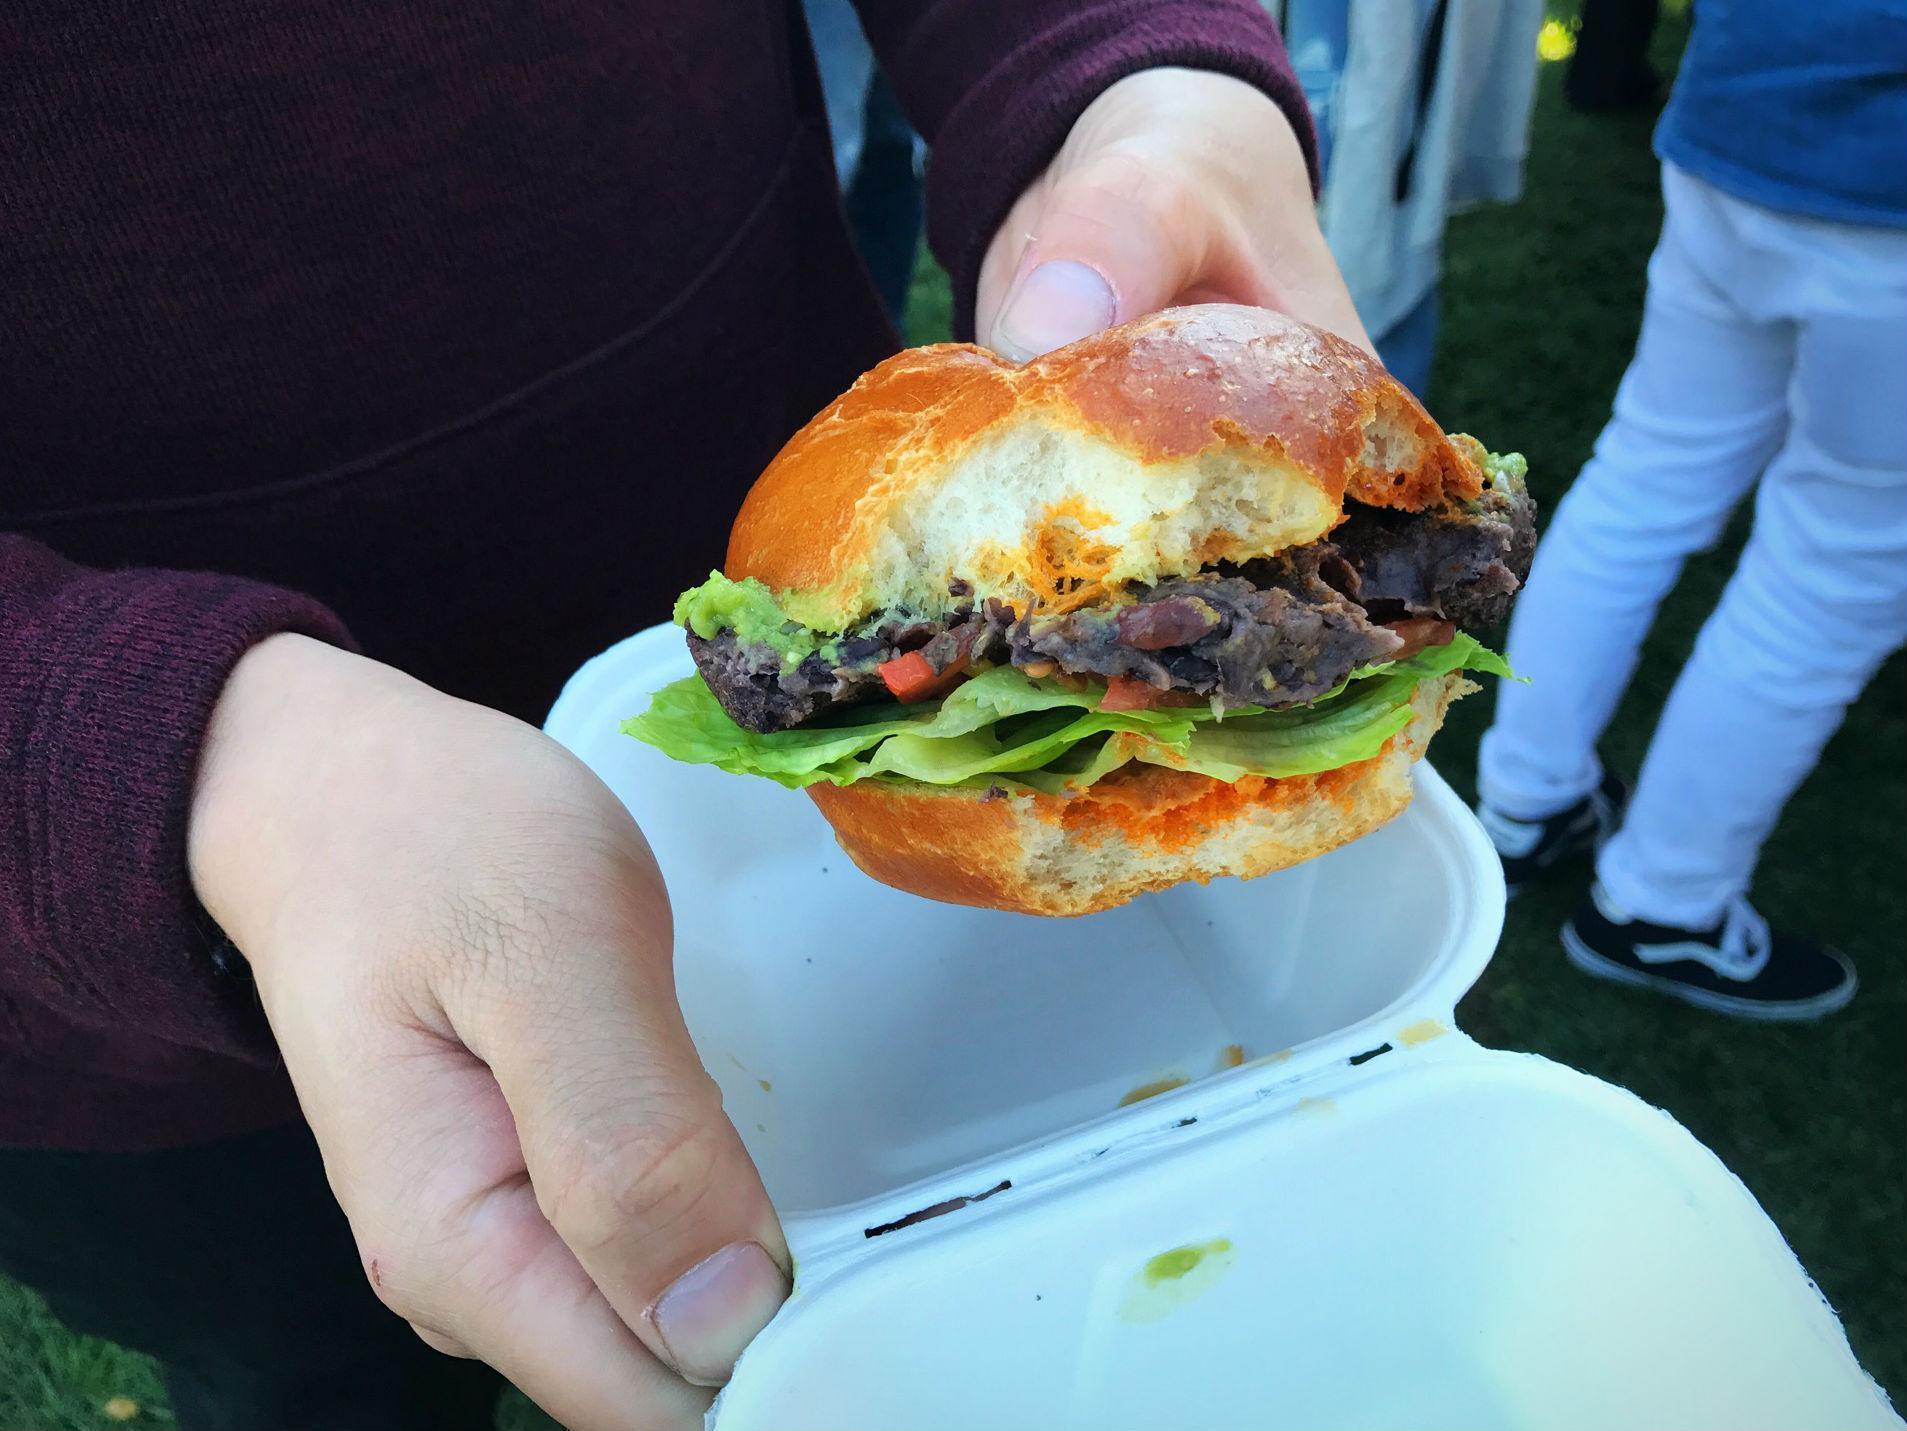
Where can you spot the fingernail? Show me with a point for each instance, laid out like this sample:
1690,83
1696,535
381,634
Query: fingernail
713,1310
1057,303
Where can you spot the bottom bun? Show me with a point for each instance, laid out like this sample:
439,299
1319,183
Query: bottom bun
1142,828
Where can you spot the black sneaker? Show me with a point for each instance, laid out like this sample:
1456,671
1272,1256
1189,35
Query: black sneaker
1530,848
1739,967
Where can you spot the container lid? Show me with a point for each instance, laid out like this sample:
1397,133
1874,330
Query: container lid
1483,1240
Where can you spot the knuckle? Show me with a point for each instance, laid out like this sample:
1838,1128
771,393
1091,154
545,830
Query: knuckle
493,925
638,1183
1120,198
1130,179
562,877
494,939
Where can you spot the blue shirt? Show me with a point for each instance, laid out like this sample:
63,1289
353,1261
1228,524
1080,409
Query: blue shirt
1798,105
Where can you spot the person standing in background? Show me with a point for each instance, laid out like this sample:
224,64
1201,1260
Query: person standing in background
1773,354
1423,108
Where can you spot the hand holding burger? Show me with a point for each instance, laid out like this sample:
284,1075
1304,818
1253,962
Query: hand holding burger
1175,187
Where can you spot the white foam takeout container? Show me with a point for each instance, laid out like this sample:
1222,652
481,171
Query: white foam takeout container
1388,1226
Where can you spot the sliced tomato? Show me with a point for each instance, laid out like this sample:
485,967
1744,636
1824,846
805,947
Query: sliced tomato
912,677
1420,632
1127,693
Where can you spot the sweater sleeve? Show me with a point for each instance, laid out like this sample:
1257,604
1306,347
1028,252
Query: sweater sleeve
995,85
107,683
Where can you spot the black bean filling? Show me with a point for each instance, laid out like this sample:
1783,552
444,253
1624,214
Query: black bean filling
1278,632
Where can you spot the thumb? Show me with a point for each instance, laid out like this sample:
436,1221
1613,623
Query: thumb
1109,244
631,1157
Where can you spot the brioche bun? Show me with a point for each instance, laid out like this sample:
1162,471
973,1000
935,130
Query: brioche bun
1154,450
1196,435
1140,829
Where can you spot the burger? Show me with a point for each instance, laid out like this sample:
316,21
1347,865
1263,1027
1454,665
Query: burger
1184,599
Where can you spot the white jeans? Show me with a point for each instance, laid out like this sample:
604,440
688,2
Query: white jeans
1772,347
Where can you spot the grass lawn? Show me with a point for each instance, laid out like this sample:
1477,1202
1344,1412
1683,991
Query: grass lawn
1542,302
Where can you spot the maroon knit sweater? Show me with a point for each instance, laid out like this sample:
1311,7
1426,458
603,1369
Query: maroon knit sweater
461,329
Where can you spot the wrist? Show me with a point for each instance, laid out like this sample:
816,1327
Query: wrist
267,771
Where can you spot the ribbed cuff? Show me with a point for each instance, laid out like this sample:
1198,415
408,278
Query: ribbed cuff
121,673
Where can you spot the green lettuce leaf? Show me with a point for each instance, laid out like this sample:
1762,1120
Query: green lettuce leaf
1003,728
685,721
1349,725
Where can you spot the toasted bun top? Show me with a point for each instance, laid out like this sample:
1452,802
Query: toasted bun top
1196,435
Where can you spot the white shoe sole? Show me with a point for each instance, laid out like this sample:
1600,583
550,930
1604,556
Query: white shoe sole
1601,967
